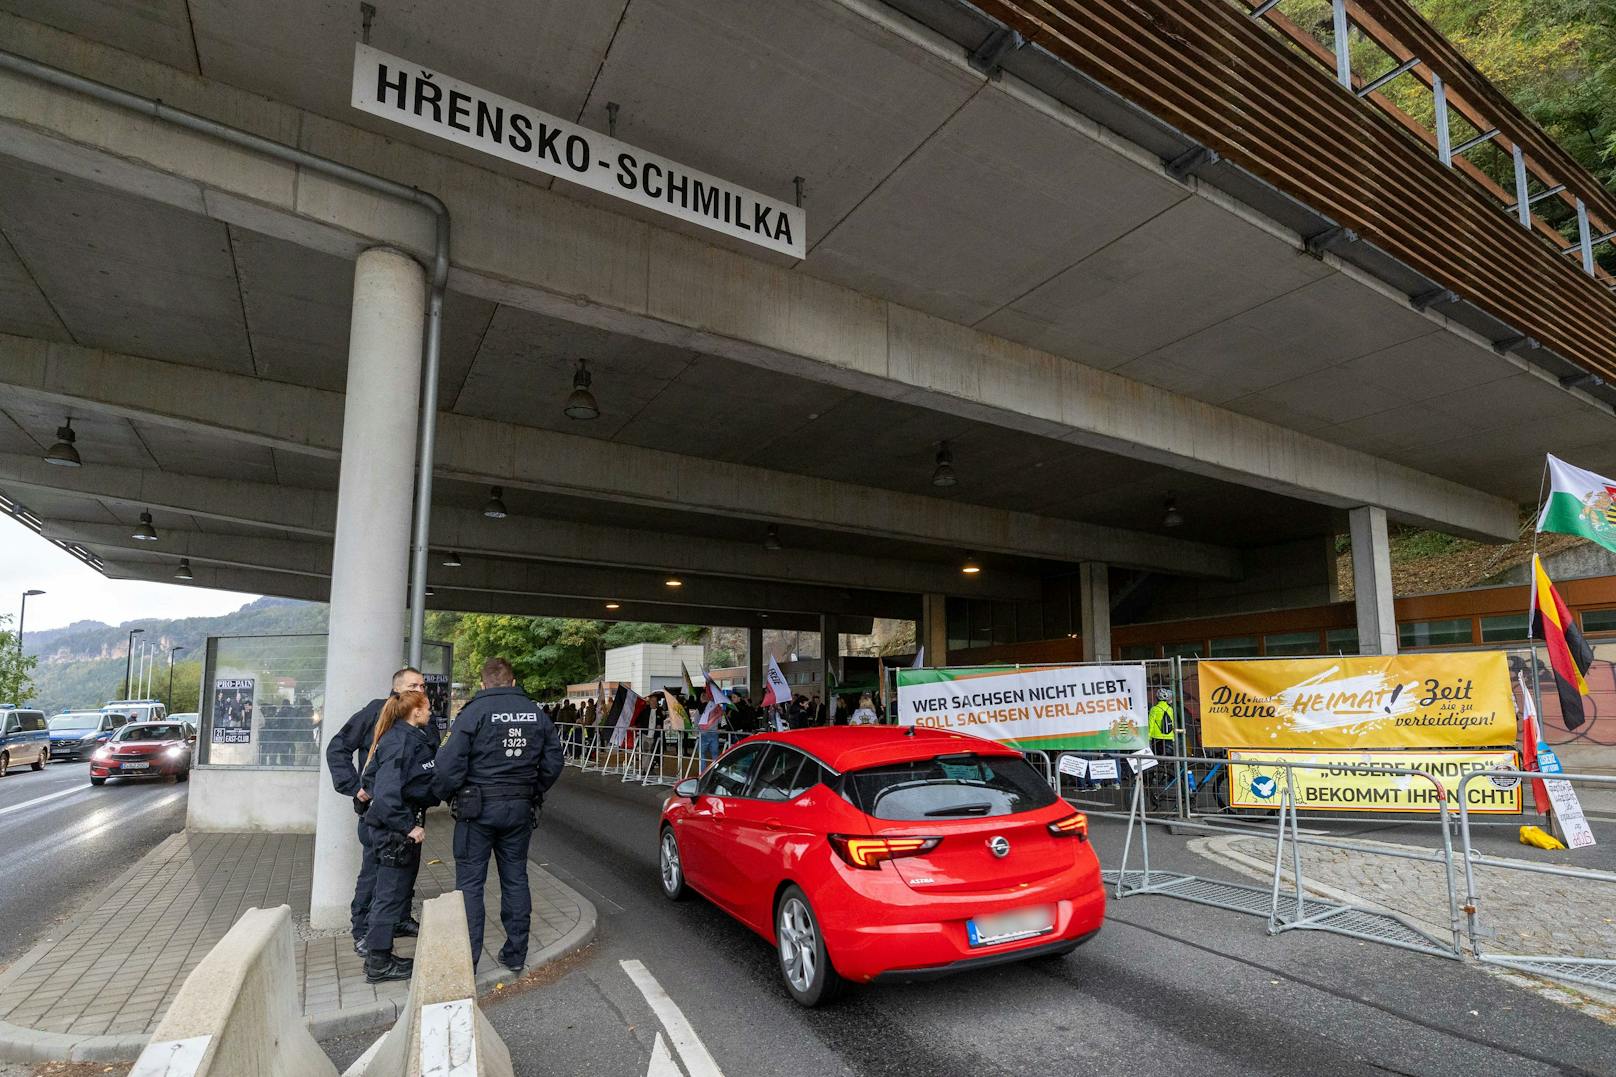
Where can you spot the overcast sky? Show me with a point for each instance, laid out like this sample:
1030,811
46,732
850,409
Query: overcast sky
76,592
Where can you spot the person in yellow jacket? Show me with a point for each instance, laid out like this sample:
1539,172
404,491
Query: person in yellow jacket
1163,723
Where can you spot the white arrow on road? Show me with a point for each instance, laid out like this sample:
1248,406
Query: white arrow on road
692,1052
662,1063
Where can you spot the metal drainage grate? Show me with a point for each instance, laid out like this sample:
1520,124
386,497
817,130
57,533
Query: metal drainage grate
1594,971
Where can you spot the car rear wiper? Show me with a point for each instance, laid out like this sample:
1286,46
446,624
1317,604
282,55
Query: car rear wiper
961,809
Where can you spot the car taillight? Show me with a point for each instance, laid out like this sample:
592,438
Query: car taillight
1075,825
869,852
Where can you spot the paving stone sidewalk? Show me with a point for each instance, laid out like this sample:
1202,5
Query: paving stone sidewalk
100,984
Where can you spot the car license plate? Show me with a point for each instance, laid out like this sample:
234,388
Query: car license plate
136,766
1010,926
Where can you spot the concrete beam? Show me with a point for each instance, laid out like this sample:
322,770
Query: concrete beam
520,244
601,585
309,421
127,565
517,537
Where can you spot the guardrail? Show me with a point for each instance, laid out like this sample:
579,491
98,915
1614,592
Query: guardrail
237,1014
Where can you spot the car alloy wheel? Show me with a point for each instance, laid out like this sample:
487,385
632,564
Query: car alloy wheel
5,763
804,964
44,757
672,868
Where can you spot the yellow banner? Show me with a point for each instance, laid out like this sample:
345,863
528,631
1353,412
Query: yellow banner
1253,784
1460,700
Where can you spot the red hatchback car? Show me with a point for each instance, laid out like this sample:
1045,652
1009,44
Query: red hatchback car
877,853
144,750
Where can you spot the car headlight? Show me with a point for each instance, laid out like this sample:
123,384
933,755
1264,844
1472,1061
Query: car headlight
175,752
102,754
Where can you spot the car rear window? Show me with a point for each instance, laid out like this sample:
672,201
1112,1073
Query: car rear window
949,787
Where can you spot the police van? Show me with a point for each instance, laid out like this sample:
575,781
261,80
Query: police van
24,738
137,710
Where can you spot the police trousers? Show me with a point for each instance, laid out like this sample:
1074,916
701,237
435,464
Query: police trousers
365,886
503,832
395,886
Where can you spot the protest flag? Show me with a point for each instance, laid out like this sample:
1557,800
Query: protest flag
1580,503
1569,654
777,689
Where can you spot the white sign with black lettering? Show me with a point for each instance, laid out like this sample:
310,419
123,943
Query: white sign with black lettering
428,101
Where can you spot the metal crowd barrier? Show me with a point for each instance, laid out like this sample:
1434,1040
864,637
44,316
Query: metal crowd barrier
1293,911
650,757
1596,971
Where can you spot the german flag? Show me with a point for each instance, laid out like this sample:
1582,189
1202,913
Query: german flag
1569,653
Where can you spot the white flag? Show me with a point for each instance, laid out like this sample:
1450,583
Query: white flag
776,688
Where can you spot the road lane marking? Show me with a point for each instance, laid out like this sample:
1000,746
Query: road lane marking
698,1063
662,1063
43,799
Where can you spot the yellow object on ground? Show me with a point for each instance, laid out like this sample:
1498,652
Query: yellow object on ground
1537,836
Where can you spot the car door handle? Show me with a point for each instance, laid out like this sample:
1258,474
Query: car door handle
774,825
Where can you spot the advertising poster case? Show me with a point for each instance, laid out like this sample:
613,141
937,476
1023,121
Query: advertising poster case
232,710
437,694
1049,708
1459,700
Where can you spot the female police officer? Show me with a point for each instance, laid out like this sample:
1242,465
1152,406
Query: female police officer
398,776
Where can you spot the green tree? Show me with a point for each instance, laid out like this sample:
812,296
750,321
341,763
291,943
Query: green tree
549,653
16,670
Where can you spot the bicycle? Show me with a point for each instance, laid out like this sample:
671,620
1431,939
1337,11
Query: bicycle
1199,775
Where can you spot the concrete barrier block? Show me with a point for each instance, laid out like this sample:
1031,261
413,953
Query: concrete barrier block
440,1029
237,1014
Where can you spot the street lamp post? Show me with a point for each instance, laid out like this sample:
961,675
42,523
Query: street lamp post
172,652
23,613
128,663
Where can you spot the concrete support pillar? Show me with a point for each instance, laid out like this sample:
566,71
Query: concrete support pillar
1372,581
830,655
754,663
1094,587
932,631
370,558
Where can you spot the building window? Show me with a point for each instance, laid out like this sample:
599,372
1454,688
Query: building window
1341,641
1191,649
1599,621
1138,652
1276,644
1234,647
1435,633
1507,626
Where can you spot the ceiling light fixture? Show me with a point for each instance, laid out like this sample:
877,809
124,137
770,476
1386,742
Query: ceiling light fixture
581,403
451,560
430,592
771,538
1172,517
613,605
63,454
673,581
970,567
184,572
495,509
943,473
145,532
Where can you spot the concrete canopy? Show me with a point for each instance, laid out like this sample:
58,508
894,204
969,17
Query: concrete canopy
1088,335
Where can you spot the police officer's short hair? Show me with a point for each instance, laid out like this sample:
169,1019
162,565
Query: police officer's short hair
498,671
400,674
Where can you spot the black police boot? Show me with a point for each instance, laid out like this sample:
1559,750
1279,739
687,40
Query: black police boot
407,928
360,948
381,966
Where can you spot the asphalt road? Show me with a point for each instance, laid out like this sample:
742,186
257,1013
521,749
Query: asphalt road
63,840
1167,987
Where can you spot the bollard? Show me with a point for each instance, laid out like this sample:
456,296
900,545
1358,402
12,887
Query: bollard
237,1013
440,1030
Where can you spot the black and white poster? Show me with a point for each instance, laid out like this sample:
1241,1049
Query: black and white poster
437,694
232,711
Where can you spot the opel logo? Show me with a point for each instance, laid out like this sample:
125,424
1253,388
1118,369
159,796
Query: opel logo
999,846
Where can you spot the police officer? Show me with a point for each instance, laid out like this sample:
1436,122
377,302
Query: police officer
356,736
398,776
501,757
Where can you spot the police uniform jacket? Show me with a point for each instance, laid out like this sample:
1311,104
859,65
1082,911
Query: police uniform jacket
399,778
500,740
354,736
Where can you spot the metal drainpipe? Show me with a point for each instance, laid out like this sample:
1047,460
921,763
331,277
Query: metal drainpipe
149,106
